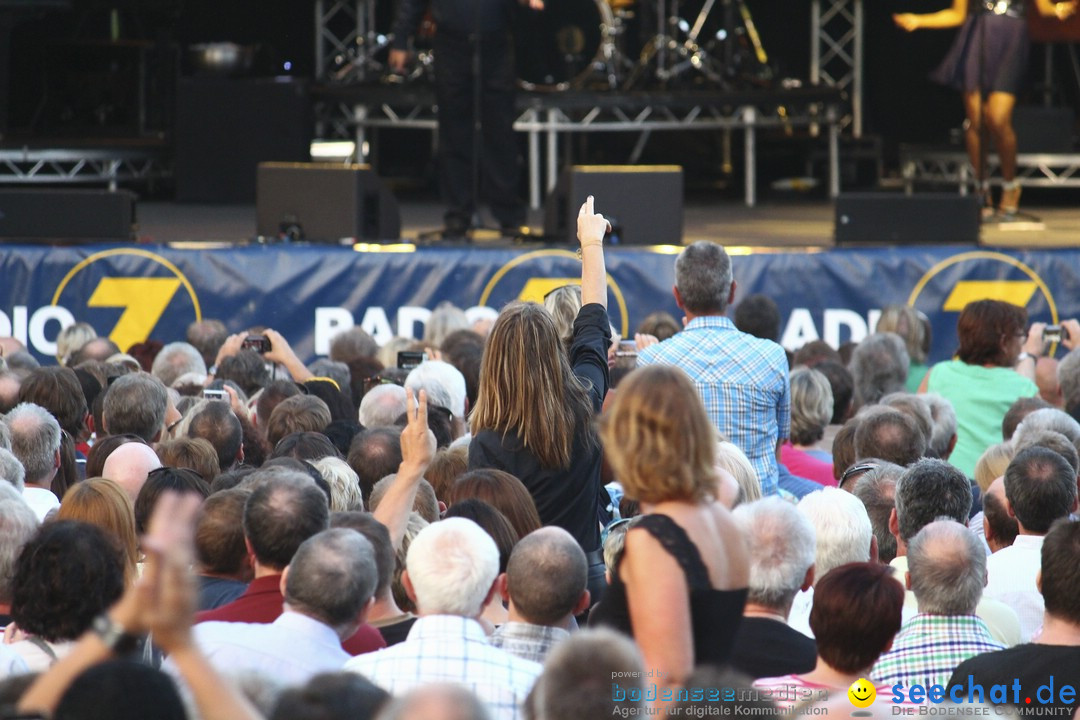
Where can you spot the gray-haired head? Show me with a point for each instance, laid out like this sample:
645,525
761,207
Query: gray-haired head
351,344
703,278
944,425
136,404
546,574
948,568
436,701
1050,440
877,490
382,406
18,523
782,543
1048,419
577,681
336,371
332,577
452,565
929,490
445,319
916,408
176,359
5,435
879,366
35,440
12,470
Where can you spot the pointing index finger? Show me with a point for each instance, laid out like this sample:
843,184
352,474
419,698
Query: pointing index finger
589,205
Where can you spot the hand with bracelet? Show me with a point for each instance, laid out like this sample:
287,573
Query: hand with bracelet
591,228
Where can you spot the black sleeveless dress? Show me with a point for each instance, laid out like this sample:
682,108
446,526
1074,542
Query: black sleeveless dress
715,614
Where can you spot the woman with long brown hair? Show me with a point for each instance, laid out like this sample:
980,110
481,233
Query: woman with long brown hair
534,410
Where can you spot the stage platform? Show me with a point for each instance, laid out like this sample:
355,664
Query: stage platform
790,222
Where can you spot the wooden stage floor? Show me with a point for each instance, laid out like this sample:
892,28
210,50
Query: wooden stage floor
775,224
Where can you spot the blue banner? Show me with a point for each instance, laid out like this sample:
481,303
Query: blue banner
308,293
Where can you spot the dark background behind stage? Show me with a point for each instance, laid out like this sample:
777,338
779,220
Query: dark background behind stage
901,105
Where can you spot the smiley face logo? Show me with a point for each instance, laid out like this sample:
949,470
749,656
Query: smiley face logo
862,693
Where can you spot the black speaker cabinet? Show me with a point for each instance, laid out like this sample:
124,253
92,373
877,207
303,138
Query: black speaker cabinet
644,203
325,202
225,127
886,219
67,215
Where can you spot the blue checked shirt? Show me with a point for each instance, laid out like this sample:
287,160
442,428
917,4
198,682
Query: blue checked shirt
452,649
929,647
743,382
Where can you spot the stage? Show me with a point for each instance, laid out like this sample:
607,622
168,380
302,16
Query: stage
787,221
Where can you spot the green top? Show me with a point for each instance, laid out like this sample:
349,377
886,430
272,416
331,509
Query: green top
981,396
915,376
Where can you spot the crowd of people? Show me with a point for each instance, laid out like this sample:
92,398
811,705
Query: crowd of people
528,524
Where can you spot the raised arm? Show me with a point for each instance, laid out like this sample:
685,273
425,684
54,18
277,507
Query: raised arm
417,450
950,17
591,228
1059,10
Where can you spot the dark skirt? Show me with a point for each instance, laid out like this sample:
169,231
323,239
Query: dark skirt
1000,42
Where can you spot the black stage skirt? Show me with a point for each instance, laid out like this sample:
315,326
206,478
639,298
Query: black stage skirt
990,54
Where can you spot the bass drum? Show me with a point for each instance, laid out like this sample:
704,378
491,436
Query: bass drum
558,47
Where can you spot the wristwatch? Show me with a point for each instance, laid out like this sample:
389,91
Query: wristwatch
1024,356
113,635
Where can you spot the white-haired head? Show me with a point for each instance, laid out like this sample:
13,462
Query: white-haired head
451,566
444,383
382,406
843,529
781,541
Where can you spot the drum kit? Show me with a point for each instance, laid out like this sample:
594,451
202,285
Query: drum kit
601,45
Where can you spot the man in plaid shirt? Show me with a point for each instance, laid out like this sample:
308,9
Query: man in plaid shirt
947,572
743,380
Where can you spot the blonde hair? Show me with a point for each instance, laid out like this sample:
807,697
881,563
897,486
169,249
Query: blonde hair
563,304
71,339
992,463
658,438
811,405
528,388
101,502
731,458
344,484
904,321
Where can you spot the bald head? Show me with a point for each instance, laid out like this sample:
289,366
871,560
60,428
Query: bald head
947,568
546,577
128,466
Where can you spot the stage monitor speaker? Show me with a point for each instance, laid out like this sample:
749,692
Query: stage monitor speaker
887,219
68,215
643,202
324,202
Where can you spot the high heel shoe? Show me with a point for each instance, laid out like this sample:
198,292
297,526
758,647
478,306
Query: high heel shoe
1010,199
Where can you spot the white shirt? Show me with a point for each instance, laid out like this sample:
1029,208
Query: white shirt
1010,578
41,501
11,662
290,650
452,649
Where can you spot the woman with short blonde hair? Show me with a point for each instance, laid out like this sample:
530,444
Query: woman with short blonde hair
680,584
101,502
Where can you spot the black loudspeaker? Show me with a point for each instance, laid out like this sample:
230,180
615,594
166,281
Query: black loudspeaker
644,203
67,215
225,127
884,219
325,202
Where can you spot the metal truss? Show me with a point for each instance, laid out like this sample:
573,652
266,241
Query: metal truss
338,25
79,166
836,52
543,120
953,168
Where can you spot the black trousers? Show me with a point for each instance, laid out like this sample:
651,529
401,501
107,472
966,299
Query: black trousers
498,153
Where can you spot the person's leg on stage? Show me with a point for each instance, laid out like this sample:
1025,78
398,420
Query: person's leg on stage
500,158
973,142
999,111
454,95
